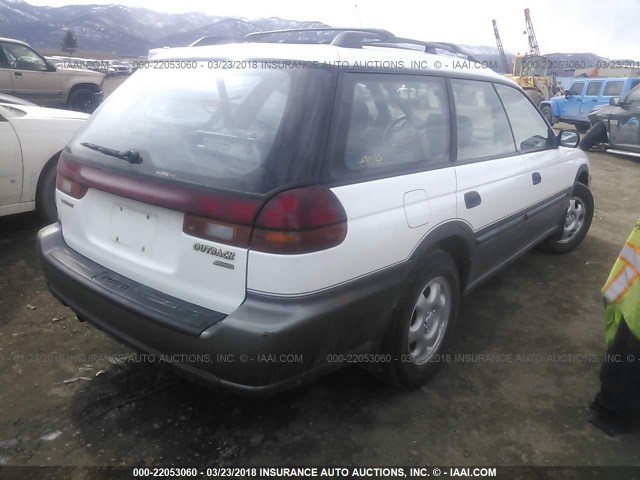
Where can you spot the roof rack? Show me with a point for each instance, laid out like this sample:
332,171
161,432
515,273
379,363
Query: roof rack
354,38
215,41
340,37
365,32
428,47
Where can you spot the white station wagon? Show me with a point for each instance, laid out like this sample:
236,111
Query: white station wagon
31,139
263,211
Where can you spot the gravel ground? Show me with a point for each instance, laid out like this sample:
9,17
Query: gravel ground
65,400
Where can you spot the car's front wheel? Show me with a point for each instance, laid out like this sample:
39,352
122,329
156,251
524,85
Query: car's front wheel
83,100
576,222
596,135
423,321
582,127
548,114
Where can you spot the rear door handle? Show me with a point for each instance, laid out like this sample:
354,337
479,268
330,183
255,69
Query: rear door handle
536,178
17,74
472,199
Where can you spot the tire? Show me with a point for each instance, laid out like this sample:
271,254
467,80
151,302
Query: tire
548,114
582,127
415,342
46,193
535,96
82,100
576,222
596,134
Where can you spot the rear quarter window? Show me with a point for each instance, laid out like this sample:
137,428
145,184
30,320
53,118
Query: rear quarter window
389,125
613,89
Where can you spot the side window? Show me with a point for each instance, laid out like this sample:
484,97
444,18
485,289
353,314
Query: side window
576,88
529,128
613,89
22,58
633,83
594,89
3,59
483,128
390,124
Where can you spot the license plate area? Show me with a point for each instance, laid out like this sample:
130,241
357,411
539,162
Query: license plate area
133,228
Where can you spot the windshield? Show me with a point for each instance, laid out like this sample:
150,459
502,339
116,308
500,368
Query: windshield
534,66
230,129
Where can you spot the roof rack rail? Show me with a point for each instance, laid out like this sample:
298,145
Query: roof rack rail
214,40
428,47
342,37
373,31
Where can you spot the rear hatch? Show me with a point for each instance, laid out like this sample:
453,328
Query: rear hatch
165,182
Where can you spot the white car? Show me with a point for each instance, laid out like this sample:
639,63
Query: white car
31,139
261,212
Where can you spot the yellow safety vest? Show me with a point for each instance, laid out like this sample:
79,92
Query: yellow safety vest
622,289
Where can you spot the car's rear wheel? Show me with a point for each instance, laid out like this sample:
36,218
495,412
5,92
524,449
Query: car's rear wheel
83,100
422,322
597,134
576,222
46,193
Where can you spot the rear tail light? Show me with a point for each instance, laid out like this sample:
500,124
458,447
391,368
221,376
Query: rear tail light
300,221
70,187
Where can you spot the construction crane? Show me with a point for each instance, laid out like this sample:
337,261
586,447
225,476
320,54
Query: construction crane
531,35
530,70
503,56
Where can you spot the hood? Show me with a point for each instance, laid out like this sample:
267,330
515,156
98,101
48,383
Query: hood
74,72
601,112
43,112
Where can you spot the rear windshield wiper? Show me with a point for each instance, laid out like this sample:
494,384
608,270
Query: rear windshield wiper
130,156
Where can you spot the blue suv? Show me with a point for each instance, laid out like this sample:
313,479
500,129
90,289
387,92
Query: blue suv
584,95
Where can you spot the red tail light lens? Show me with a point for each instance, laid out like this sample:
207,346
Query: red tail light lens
300,221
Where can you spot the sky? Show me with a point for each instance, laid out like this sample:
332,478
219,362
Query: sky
606,28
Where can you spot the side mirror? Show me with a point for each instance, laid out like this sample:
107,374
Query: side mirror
568,93
614,101
50,66
567,138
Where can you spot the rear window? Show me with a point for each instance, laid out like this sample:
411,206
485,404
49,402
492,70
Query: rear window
249,130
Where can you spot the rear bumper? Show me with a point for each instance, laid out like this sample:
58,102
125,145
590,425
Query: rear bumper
267,344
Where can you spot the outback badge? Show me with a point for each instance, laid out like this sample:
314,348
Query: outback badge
218,252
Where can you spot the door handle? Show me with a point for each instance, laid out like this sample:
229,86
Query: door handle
472,199
536,178
17,74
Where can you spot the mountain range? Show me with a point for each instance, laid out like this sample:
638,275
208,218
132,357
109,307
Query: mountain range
133,31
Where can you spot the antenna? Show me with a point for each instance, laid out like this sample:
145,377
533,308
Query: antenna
357,8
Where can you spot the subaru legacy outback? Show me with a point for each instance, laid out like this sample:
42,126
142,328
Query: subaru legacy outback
260,226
